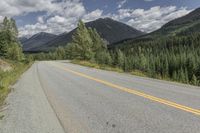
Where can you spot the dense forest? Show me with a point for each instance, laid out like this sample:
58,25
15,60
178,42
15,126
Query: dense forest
10,47
173,58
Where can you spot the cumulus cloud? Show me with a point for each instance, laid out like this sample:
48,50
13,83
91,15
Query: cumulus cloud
59,23
18,7
59,16
63,20
151,19
56,25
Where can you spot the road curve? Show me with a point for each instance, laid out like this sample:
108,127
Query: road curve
86,100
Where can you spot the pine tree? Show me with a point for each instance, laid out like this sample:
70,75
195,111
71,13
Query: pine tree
6,24
15,52
5,40
194,80
98,43
174,76
9,46
186,76
120,59
166,68
83,42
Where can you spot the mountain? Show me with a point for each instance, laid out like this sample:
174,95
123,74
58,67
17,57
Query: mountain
110,30
185,25
22,39
36,40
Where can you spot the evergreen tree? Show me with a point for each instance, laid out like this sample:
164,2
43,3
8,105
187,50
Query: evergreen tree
194,80
15,52
5,40
9,46
120,59
83,42
98,43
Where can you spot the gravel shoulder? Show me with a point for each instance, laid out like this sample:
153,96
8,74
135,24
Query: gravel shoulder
27,109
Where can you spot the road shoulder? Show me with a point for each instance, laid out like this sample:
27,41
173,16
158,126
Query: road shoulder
27,109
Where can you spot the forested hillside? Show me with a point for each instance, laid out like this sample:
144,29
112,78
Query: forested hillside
175,58
172,52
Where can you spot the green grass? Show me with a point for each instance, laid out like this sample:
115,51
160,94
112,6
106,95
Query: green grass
139,73
97,66
109,68
10,77
116,69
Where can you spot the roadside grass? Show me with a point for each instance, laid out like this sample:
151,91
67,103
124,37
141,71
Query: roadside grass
97,66
116,69
109,68
8,78
138,73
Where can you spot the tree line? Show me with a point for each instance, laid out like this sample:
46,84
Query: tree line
10,48
175,58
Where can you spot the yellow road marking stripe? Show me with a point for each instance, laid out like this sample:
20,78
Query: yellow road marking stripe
135,92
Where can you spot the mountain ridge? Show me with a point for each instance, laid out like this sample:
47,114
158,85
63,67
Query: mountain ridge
187,24
37,40
110,30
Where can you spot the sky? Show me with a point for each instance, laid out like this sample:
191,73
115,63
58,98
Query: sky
58,16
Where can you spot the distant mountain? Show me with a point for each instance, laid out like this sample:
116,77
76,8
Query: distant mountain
37,40
110,30
22,39
185,25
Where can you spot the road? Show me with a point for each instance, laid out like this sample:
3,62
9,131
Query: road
60,97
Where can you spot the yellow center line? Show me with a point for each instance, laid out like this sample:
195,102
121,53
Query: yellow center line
135,92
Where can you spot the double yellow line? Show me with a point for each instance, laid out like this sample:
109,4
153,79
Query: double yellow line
135,92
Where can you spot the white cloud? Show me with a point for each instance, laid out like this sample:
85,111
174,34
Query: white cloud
93,15
18,7
56,24
151,19
121,3
63,16
1,18
40,19
60,16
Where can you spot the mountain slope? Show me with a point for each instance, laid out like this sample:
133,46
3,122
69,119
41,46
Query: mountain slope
37,40
112,31
22,39
185,25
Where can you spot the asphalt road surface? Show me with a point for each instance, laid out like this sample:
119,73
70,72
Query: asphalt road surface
60,97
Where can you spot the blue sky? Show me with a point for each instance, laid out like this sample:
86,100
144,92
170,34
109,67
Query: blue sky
58,16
